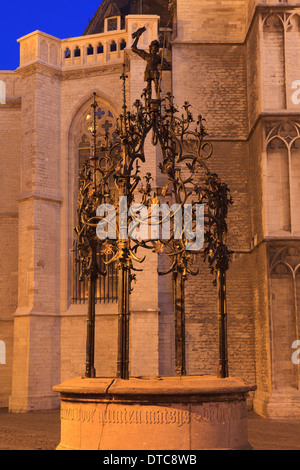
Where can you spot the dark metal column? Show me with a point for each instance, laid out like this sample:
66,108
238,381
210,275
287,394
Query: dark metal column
180,367
90,371
123,323
223,371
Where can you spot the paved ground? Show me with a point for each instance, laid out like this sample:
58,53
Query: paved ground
265,434
41,431
29,431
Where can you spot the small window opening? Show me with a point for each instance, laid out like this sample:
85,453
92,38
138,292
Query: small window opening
67,53
90,50
77,52
113,46
100,48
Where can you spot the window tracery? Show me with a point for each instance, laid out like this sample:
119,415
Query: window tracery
106,127
284,270
282,177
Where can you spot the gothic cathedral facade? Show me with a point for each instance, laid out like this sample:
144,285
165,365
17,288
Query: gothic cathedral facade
238,64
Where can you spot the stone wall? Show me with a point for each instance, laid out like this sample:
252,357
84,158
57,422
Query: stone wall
10,165
237,64
211,20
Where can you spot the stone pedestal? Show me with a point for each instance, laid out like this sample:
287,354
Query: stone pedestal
170,413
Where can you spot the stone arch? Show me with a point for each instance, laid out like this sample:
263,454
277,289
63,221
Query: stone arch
80,147
277,187
285,307
2,353
282,178
76,51
84,108
77,129
89,49
273,22
100,48
113,46
293,22
83,123
67,53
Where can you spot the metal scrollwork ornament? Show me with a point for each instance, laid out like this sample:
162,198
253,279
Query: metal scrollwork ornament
112,175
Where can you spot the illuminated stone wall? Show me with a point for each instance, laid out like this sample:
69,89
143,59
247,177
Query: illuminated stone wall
238,64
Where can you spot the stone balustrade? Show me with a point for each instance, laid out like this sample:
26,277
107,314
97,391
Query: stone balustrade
85,51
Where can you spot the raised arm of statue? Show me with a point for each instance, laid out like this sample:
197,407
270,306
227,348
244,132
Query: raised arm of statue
136,36
154,61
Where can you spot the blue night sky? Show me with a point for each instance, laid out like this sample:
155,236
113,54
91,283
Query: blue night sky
60,18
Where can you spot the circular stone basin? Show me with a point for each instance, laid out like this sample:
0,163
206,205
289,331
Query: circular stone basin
154,413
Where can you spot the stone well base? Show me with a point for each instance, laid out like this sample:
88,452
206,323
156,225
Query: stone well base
169,413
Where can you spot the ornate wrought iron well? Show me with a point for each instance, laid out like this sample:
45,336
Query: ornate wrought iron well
110,178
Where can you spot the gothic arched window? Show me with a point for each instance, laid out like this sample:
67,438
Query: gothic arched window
77,52
282,177
106,125
113,46
285,305
90,50
100,48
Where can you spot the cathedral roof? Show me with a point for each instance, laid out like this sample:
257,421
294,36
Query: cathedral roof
123,8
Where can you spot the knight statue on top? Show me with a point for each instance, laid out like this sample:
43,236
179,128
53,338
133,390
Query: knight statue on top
156,63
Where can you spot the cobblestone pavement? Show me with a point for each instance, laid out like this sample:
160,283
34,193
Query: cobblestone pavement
41,431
